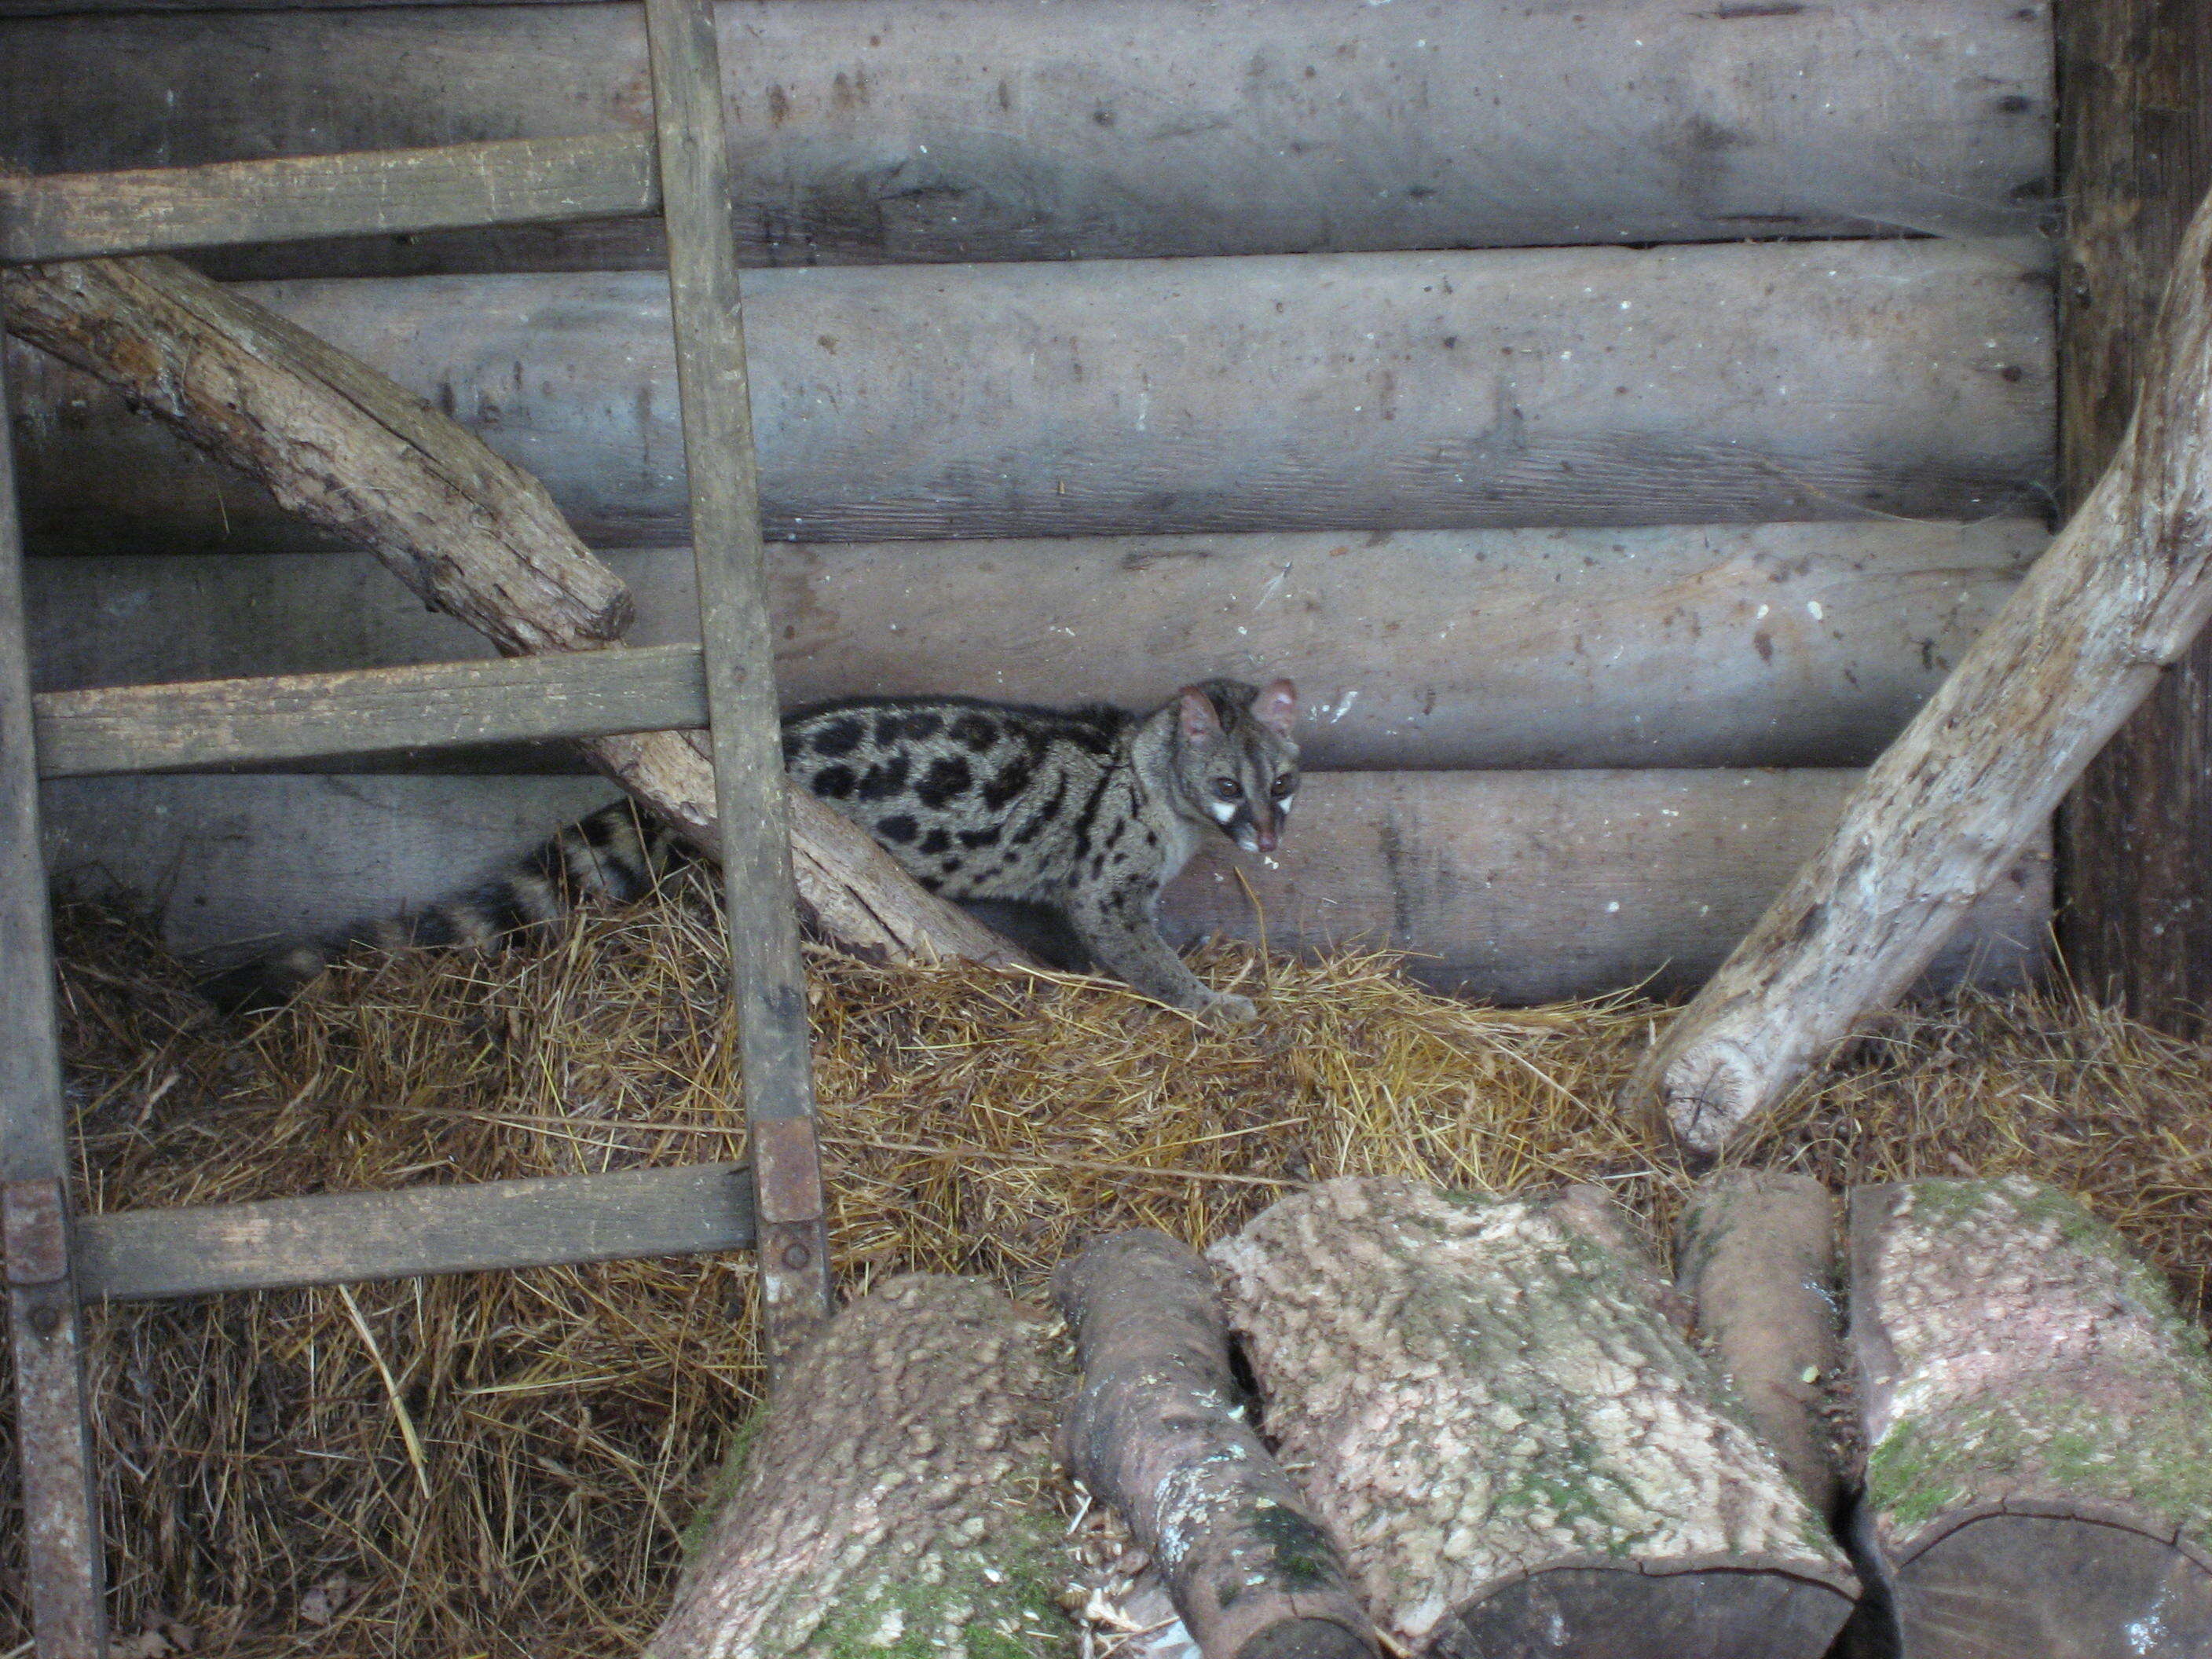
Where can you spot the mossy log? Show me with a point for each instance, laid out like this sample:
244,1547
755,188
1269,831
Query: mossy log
1517,1449
1757,1257
890,1504
1156,1431
2039,1424
469,533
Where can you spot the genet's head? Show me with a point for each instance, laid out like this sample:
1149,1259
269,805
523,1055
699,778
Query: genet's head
1234,758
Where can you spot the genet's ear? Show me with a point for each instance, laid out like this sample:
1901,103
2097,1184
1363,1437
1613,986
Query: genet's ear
1198,719
1276,708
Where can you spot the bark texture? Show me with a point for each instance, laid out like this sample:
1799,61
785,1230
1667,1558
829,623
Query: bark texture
470,534
1157,1431
1517,1449
336,443
1756,1257
2120,593
889,1504
2039,1424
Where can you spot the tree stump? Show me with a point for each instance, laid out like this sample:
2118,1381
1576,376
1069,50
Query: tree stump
2039,1424
1517,1449
890,1501
1756,1255
1156,1430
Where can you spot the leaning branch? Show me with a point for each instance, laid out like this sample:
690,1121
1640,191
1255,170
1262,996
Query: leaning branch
1938,818
469,533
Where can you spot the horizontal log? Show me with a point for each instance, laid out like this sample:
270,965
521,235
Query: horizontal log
1522,887
301,717
1401,391
1772,645
152,210
333,1238
912,130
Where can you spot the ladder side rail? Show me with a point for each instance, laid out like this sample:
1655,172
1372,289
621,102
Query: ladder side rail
63,1561
768,984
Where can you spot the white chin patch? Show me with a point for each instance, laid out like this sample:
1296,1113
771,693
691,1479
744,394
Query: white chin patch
1249,842
1222,811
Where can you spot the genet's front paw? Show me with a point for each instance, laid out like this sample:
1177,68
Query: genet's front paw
1225,1008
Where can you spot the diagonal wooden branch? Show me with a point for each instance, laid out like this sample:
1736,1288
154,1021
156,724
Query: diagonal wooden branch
2117,596
469,533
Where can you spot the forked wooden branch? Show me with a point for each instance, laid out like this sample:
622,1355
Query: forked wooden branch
2118,595
469,533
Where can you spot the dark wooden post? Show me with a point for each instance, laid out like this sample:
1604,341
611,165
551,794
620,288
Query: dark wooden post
768,984
61,1523
2134,158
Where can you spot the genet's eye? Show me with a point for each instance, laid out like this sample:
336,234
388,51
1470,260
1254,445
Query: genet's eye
1229,789
1284,787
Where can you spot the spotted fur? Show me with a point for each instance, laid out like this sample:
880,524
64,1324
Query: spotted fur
1087,811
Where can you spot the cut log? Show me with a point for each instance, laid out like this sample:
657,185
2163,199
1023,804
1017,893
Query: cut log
1515,1449
1156,1431
1757,1257
903,130
1429,650
470,534
2039,1424
1404,391
1515,887
890,1500
1976,774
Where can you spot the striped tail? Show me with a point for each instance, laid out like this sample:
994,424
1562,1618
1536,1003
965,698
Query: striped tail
615,855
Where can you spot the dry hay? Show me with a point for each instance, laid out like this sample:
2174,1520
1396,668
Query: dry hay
501,1464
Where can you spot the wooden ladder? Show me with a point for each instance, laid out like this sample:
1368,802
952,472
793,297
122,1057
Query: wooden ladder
56,1259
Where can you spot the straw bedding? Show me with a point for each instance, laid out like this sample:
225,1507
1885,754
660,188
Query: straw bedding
503,1464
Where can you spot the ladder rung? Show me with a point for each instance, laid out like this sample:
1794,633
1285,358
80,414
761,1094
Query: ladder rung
287,198
338,1237
370,711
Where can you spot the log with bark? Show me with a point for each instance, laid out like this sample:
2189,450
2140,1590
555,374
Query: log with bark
890,1499
1756,1254
2120,593
1157,1431
2039,1424
470,534
1515,1446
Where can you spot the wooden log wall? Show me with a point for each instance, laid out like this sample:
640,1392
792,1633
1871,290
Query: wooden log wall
1405,391
1772,645
1526,885
1496,496
917,130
